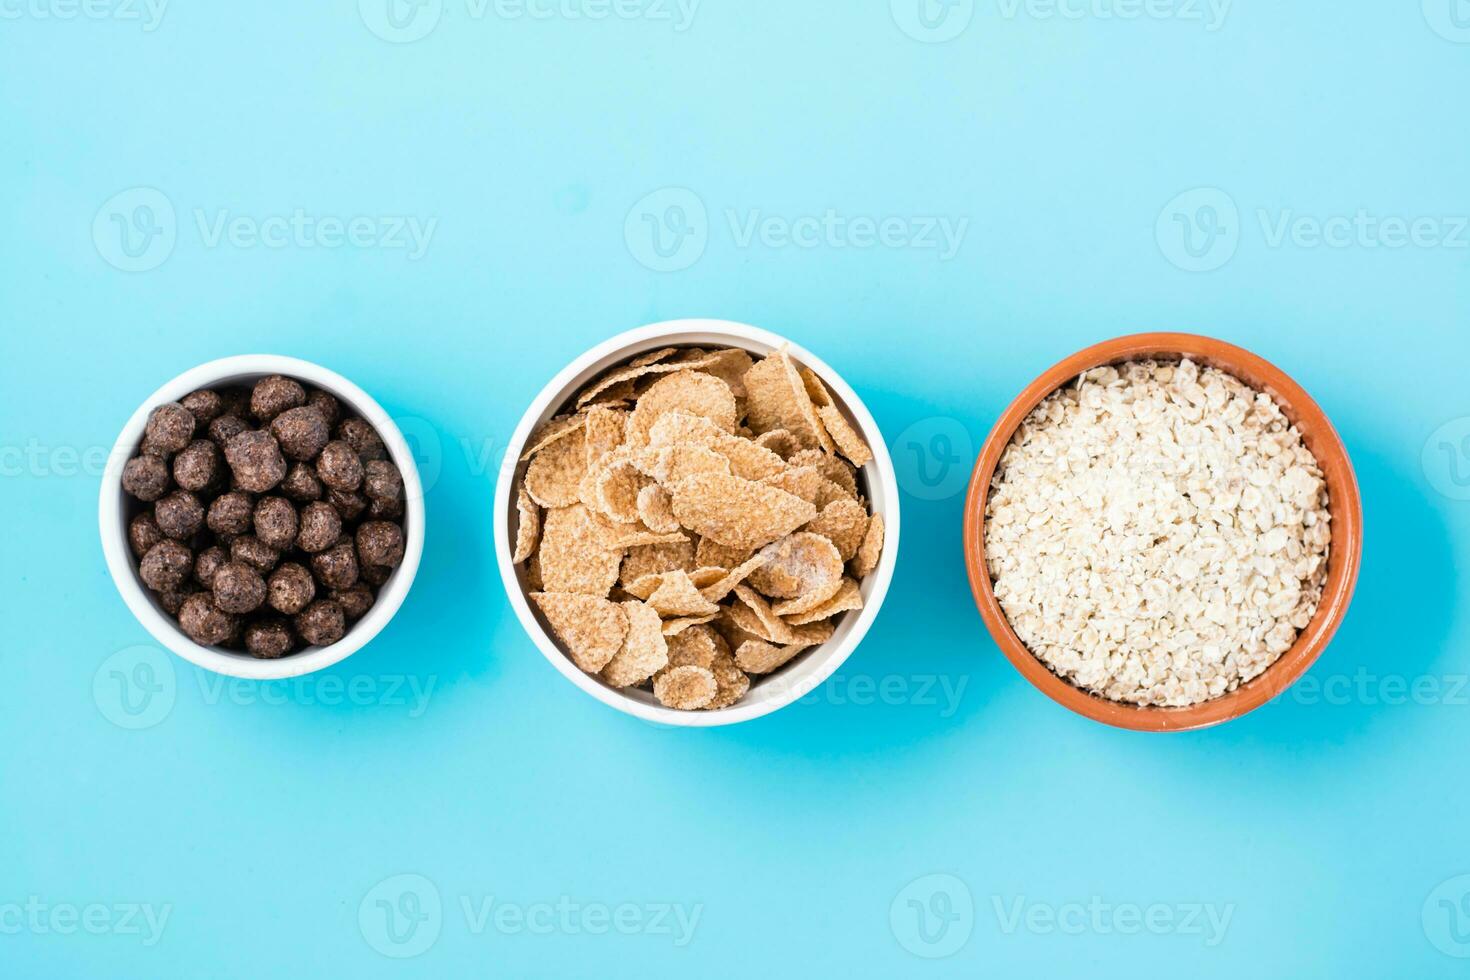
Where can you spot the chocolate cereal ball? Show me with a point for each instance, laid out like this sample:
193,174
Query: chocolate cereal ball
375,575
269,638
380,543
198,466
225,428
274,395
231,513
355,601
301,483
327,405
347,503
301,432
362,438
235,401
204,405
320,527
254,552
385,510
238,588
166,566
339,467
275,522
143,533
146,477
209,562
322,623
255,461
290,588
381,481
336,568
169,429
179,514
204,622
173,601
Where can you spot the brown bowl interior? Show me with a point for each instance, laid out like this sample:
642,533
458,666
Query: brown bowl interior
1344,504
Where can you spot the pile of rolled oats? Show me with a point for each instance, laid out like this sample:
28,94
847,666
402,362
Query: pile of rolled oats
1158,534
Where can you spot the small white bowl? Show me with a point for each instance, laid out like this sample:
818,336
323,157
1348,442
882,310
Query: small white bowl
116,508
807,671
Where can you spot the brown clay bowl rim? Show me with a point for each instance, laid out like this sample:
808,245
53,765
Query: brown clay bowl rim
1345,505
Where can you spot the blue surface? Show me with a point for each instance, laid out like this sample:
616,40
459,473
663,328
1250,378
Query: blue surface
264,827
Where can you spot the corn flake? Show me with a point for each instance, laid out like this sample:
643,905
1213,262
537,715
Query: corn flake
685,688
870,550
528,526
644,651
592,629
737,513
573,555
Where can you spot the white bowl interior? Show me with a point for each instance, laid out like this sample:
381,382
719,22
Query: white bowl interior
117,508
876,480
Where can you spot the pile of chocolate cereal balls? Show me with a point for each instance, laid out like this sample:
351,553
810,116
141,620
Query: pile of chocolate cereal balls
273,519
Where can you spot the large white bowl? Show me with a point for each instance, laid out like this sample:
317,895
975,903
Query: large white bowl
808,670
116,508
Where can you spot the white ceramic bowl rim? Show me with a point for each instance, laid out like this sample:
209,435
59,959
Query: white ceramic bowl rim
813,667
113,503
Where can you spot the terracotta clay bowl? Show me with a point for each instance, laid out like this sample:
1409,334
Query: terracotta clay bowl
1345,506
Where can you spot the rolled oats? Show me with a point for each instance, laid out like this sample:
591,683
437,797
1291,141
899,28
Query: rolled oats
1157,533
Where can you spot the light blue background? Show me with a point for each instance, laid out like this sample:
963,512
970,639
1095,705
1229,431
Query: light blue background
265,818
